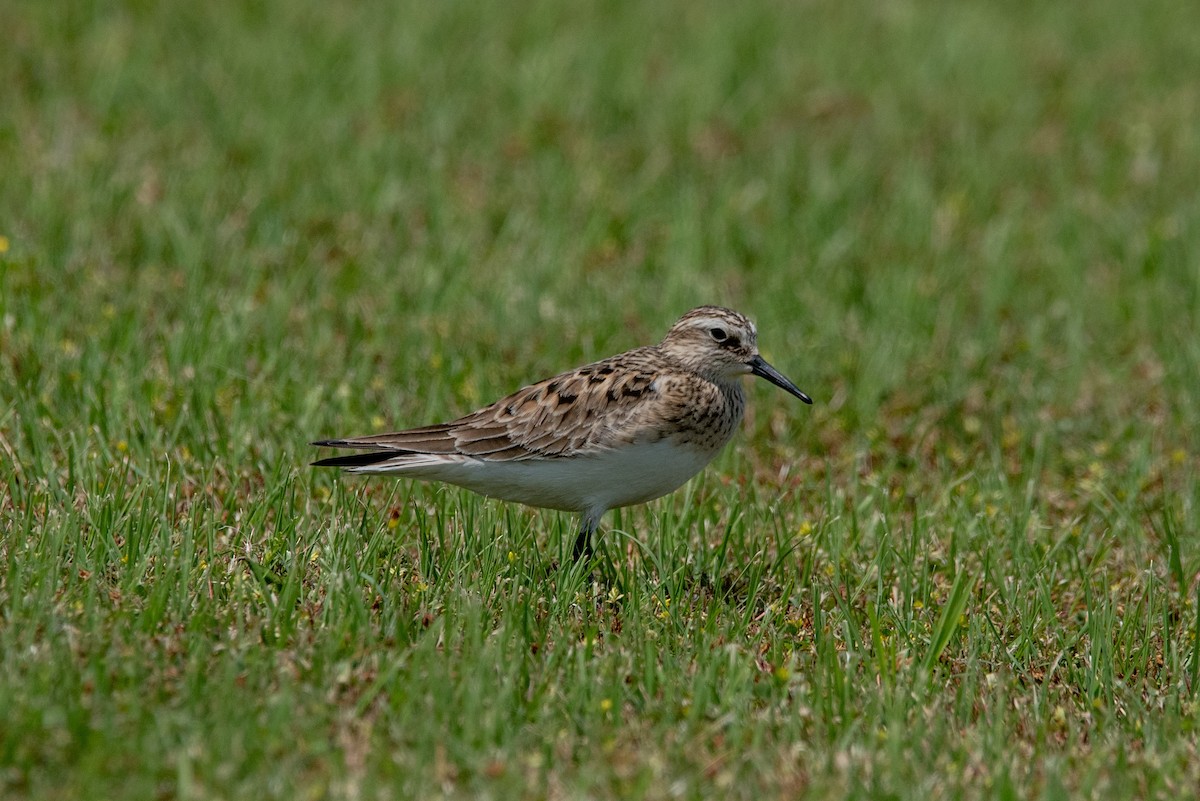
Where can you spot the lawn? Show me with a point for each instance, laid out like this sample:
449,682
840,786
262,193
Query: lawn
971,231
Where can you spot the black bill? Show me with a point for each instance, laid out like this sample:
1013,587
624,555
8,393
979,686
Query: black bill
759,367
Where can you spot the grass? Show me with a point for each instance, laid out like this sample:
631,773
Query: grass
968,230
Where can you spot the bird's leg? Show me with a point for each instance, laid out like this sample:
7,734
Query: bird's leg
583,543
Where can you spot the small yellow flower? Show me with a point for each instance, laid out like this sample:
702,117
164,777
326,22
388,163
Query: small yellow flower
806,528
918,604
392,523
782,674
123,446
512,557
605,704
3,245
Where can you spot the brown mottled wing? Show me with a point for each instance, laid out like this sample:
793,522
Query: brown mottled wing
589,409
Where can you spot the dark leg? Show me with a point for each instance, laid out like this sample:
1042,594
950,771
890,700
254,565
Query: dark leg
583,545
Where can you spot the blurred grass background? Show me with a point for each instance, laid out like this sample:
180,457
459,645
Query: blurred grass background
968,230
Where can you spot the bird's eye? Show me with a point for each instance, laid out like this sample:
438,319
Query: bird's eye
718,334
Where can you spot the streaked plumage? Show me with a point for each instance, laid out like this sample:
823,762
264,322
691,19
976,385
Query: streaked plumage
617,432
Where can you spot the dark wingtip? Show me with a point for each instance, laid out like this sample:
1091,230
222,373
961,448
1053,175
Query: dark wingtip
354,459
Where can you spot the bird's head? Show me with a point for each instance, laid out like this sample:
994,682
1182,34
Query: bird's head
721,344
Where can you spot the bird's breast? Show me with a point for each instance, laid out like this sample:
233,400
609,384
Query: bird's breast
707,417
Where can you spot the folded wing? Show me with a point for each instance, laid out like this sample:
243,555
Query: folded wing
587,410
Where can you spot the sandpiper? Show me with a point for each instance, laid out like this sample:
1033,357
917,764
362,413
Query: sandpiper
617,432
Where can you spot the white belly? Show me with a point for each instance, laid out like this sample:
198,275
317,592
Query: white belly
621,477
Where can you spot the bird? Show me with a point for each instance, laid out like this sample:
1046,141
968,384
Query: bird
617,432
